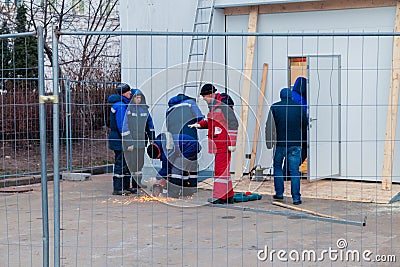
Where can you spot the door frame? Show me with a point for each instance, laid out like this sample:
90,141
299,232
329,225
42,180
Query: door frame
339,126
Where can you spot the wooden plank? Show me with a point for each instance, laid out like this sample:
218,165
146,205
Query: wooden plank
311,6
276,203
259,114
247,75
324,6
230,11
391,118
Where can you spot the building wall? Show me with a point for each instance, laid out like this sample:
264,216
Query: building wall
149,54
365,63
154,64
366,69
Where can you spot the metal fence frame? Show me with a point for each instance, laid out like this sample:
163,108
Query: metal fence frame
191,34
53,99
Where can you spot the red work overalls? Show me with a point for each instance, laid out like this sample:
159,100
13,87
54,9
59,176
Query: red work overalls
219,138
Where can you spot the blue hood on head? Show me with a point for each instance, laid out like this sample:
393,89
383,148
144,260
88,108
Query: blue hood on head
178,99
300,86
135,92
286,94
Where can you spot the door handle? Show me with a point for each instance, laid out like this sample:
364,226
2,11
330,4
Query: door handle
310,122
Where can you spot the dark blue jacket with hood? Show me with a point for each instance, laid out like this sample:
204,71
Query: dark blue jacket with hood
119,104
138,127
184,146
286,122
183,111
299,92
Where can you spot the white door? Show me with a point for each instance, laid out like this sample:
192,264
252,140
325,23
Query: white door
323,98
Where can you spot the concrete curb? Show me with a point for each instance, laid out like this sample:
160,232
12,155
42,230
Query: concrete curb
34,179
28,180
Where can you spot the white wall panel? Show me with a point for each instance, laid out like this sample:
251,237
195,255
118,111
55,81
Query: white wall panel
366,63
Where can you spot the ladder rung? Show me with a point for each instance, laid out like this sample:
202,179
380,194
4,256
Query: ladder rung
203,10
204,7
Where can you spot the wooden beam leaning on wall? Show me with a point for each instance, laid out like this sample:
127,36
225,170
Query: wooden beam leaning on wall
391,119
258,117
245,95
310,6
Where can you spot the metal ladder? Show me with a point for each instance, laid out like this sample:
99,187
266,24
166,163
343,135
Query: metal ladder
198,45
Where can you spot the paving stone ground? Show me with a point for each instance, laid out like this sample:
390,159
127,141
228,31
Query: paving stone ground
99,229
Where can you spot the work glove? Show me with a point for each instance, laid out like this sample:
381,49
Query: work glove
130,148
231,148
194,125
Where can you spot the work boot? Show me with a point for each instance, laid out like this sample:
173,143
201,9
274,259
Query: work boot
173,190
117,186
276,197
121,192
126,182
132,190
297,202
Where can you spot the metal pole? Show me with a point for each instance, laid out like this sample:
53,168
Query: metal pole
43,156
13,35
239,34
56,151
68,124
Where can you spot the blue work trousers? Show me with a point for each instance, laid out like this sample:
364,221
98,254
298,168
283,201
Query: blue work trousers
293,158
122,176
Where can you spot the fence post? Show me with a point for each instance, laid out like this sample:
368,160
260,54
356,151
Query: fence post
68,124
56,150
43,156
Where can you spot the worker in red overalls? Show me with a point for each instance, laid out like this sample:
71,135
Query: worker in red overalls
222,133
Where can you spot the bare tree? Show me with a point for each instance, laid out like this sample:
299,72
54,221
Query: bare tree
7,13
79,56
82,58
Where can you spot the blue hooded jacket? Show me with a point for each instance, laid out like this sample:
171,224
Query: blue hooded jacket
138,124
184,146
286,122
117,114
300,92
183,111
